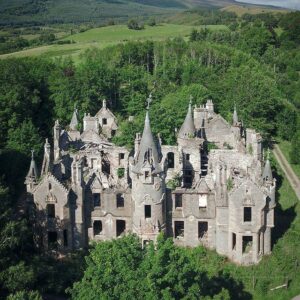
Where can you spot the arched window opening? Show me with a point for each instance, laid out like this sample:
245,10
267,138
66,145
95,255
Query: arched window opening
120,201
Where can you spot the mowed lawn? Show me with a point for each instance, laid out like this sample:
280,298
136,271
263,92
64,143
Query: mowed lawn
108,36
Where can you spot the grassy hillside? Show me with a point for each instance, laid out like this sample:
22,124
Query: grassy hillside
107,36
40,12
247,9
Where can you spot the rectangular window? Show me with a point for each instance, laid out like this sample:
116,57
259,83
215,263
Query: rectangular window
247,244
97,200
147,174
179,229
97,227
121,156
247,214
51,210
120,201
233,241
202,230
104,121
65,237
121,226
147,211
187,156
178,200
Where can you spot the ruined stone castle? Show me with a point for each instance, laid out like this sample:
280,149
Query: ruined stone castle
210,189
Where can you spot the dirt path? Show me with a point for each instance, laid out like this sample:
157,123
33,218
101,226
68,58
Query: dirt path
290,174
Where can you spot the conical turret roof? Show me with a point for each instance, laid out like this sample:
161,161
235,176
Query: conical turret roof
32,173
187,129
267,173
235,118
74,120
148,151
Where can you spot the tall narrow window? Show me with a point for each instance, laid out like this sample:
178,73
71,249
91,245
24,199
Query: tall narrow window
202,230
179,229
178,200
187,157
233,241
247,244
104,121
120,227
247,214
51,210
147,211
97,200
97,227
120,201
65,237
170,159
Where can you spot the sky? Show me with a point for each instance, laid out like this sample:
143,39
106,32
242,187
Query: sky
293,4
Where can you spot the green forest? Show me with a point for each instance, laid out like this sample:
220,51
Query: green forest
255,65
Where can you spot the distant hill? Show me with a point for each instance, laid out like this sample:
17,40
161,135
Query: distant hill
40,12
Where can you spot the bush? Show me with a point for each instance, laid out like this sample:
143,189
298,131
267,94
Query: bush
134,25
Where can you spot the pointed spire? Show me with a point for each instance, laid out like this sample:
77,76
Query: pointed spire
74,120
187,129
267,173
148,150
32,173
235,117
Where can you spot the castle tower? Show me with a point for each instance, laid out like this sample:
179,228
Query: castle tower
148,188
32,175
190,147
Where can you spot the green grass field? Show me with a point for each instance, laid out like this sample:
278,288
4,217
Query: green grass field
285,147
107,36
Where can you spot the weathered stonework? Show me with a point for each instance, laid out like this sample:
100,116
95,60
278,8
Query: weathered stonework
92,190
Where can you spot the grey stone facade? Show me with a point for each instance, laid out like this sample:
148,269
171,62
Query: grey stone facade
210,189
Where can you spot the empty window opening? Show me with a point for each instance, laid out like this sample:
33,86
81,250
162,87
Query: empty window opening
147,211
247,214
203,201
97,199
105,166
65,237
188,177
147,174
51,210
121,172
104,121
187,157
50,187
97,226
233,241
179,229
171,161
121,156
113,132
121,226
146,243
247,244
52,240
202,230
120,201
178,200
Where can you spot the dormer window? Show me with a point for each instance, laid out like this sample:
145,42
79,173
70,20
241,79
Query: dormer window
104,121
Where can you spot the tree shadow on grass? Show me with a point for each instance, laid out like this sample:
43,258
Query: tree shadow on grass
283,217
